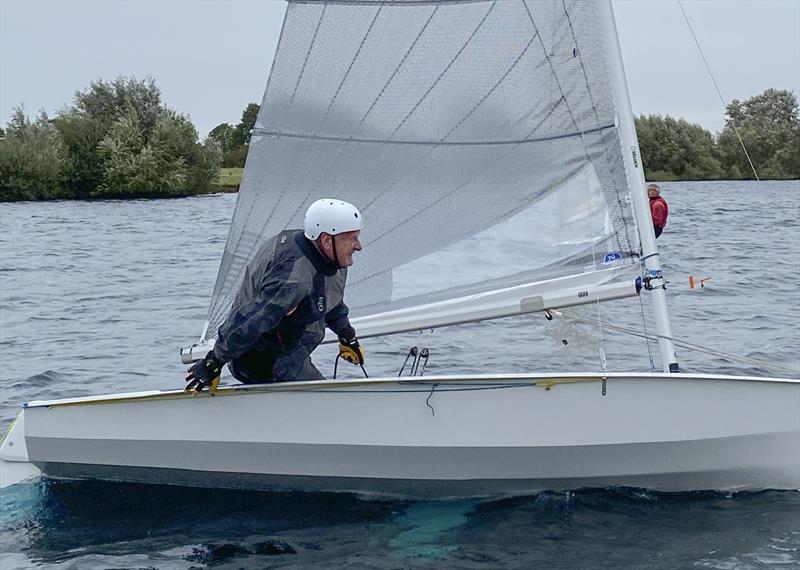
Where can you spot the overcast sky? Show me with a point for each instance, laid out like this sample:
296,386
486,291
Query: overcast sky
210,58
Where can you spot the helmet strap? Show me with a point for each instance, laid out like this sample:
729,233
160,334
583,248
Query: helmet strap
335,255
334,259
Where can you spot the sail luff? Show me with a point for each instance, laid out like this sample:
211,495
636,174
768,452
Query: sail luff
634,172
215,308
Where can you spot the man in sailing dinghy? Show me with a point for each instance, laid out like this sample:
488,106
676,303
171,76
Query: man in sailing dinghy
658,208
292,289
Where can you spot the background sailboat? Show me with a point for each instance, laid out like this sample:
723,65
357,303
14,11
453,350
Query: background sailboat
452,125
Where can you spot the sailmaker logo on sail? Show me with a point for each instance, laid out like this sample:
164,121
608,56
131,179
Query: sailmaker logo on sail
635,155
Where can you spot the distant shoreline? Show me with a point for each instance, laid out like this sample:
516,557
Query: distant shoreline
229,181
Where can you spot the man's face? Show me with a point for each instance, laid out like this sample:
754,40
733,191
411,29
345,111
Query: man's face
652,192
346,245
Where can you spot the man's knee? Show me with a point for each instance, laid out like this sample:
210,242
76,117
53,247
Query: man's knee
309,372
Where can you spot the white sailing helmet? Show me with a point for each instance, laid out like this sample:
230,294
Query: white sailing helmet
331,216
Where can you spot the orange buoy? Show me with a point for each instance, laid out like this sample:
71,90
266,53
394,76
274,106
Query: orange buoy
697,281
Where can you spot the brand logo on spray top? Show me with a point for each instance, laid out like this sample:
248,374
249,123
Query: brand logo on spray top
611,257
321,304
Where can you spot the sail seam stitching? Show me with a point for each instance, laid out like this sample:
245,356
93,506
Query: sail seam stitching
324,176
336,95
224,306
228,298
444,71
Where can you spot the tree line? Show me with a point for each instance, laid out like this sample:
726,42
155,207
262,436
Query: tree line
118,140
672,149
768,124
235,140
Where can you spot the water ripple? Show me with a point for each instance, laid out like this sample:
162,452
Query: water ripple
96,297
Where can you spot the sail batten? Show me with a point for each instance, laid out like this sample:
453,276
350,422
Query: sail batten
457,128
545,138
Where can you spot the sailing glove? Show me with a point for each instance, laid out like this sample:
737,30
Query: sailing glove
204,374
350,350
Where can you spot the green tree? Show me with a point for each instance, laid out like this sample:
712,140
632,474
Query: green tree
32,159
134,166
236,157
175,136
124,142
205,160
169,161
117,140
236,140
674,149
247,124
769,125
89,120
225,135
81,135
108,101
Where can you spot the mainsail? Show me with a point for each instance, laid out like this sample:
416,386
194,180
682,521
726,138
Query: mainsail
459,128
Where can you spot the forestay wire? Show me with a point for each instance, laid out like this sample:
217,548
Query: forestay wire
724,103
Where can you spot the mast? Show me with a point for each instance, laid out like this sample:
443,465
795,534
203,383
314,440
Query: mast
635,176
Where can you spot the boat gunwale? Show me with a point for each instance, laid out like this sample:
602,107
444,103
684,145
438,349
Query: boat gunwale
542,380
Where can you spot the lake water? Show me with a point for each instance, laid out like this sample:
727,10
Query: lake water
97,297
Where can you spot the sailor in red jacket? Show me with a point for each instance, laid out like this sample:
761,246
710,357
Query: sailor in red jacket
658,208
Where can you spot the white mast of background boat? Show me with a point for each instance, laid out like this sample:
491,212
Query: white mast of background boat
635,175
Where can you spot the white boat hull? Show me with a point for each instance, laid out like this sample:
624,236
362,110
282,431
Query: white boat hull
477,435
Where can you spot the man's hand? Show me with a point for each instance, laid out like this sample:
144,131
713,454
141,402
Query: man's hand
204,374
351,351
